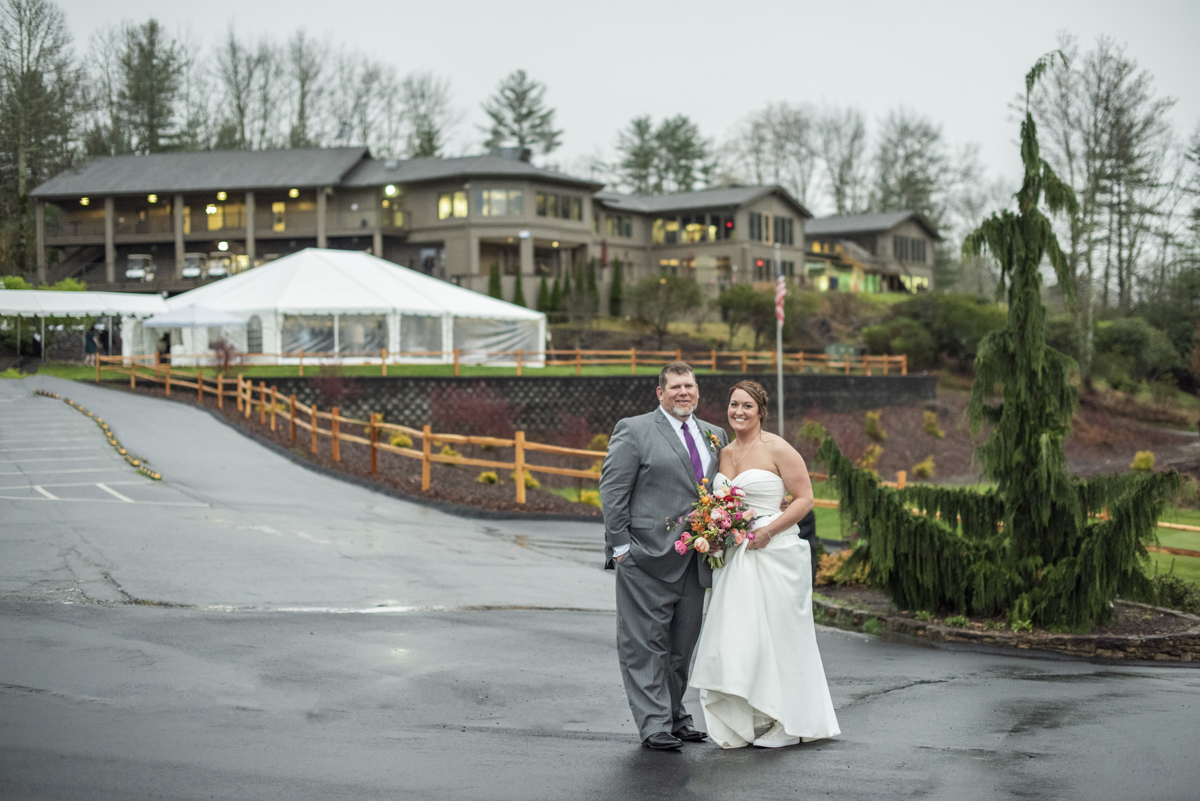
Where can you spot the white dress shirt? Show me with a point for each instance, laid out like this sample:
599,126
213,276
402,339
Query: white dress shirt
701,446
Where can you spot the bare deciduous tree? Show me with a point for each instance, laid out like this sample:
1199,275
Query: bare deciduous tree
841,142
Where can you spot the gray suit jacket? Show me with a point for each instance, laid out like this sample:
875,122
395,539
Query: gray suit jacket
647,478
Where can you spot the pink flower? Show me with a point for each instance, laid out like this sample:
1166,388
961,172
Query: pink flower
739,537
737,491
701,545
749,514
680,547
725,524
718,514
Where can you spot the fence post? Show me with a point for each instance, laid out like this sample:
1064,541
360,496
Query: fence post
679,354
904,364
901,479
743,360
578,362
274,400
220,390
633,361
846,363
168,379
426,445
383,359
518,361
714,360
887,360
302,362
292,418
132,374
335,449
238,393
519,459
800,364
866,365
456,362
262,402
312,410
374,452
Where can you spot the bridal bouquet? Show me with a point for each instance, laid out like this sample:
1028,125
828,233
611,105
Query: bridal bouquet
718,520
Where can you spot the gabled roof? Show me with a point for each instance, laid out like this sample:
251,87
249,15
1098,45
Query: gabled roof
726,197
202,171
378,172
866,224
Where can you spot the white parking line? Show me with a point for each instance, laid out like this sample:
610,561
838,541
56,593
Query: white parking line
78,470
43,439
47,494
144,483
75,448
114,493
96,500
71,459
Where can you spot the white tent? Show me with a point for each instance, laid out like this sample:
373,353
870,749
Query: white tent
53,303
192,317
353,305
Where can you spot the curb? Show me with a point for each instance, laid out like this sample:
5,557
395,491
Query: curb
1179,647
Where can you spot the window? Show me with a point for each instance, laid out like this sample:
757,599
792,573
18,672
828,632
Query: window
311,333
500,202
785,231
564,207
917,250
361,333
618,225
398,218
216,216
766,229
254,335
277,216
452,204
187,219
755,225
900,248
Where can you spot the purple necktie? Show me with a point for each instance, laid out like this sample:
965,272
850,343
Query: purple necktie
697,468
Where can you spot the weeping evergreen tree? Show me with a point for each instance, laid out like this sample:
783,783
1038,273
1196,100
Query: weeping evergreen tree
518,291
616,289
1043,546
543,297
494,282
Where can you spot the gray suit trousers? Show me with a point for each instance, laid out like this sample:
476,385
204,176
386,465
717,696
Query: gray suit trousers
658,625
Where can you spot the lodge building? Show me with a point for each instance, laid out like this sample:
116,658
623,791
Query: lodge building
170,221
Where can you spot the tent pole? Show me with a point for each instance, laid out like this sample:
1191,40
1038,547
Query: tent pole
43,340
110,325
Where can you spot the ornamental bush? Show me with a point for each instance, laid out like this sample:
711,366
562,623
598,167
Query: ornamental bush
924,469
931,427
399,439
488,477
1143,462
872,428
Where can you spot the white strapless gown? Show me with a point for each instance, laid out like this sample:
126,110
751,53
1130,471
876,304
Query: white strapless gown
757,659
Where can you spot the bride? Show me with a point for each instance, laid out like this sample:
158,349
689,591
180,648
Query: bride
757,665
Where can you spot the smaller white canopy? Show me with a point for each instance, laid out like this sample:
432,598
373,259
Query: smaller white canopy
192,317
51,303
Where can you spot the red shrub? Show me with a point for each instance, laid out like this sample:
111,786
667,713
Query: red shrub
477,410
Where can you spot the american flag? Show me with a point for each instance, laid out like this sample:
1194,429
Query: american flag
780,292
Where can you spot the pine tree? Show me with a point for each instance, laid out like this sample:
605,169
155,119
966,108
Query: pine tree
543,297
555,298
616,289
593,291
1035,546
494,282
518,291
568,294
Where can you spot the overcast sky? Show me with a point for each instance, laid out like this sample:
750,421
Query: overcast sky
961,63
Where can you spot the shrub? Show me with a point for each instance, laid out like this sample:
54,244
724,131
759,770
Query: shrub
870,457
574,430
903,336
12,372
590,497
930,425
1176,593
477,410
530,481
813,431
958,621
925,615
1131,347
598,443
448,451
872,428
923,469
399,439
1143,462
831,569
488,477
873,626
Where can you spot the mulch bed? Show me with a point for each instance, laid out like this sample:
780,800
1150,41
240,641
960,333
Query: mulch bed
1131,620
449,484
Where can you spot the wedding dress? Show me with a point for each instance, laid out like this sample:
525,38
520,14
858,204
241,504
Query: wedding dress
757,664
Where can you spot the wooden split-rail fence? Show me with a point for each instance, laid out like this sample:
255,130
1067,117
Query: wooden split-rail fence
273,409
713,360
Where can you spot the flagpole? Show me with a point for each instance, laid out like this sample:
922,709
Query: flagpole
779,293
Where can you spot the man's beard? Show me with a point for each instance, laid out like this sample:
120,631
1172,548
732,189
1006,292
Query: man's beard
683,411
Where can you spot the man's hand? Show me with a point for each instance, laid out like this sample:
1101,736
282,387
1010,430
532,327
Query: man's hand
619,558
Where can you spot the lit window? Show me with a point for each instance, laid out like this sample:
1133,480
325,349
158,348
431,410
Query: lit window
658,232
500,202
216,216
452,204
398,218
277,216
576,209
541,204
693,232
672,232
187,219
460,204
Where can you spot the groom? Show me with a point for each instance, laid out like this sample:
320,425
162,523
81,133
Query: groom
650,474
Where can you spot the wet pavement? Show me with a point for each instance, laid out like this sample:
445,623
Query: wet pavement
249,629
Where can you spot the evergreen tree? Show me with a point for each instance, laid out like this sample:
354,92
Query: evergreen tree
151,66
543,297
616,289
568,294
1035,546
494,282
593,291
555,298
519,115
518,291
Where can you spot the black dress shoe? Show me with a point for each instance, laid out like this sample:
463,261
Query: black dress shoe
661,741
690,735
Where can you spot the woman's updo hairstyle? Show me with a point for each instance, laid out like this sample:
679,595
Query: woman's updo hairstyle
757,394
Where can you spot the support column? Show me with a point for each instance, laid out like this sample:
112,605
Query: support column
178,226
377,243
40,216
110,242
473,267
526,254
250,244
321,204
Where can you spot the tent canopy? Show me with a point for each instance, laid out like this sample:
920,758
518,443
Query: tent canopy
314,281
192,317
50,303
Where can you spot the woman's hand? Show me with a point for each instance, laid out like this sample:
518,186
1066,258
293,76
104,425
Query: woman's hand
761,538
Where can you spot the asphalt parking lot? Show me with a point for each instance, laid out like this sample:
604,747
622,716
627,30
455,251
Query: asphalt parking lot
246,628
